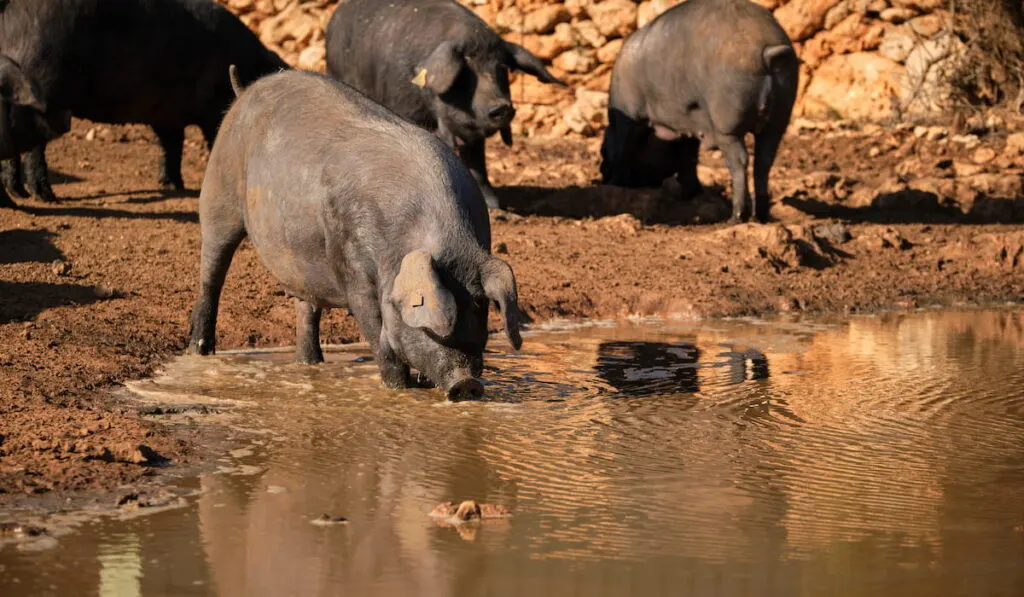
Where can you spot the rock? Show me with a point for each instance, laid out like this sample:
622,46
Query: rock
1014,145
919,5
614,18
586,33
857,86
547,47
61,268
897,43
897,14
326,520
853,34
650,9
313,58
983,155
575,61
544,19
508,20
929,25
467,511
926,85
803,18
588,113
837,14
608,52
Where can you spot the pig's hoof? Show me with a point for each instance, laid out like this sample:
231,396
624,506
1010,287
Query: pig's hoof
169,184
309,359
467,389
45,193
19,191
200,347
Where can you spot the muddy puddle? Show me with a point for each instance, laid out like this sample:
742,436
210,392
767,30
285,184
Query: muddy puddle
876,456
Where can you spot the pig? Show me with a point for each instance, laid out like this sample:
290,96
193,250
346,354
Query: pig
350,206
703,72
155,62
435,63
24,120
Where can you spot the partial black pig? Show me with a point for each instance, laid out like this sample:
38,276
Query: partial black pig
380,217
156,62
706,69
435,63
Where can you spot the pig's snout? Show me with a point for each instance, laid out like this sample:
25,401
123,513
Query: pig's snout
466,389
501,113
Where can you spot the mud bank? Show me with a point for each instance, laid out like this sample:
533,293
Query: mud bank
96,290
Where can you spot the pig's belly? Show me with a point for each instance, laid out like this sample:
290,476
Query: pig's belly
297,258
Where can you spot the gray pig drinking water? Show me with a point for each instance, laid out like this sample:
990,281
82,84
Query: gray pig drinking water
706,69
350,206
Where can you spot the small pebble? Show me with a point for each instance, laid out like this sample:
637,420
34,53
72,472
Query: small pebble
326,520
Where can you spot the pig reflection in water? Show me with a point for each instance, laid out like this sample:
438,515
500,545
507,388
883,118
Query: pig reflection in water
648,368
657,368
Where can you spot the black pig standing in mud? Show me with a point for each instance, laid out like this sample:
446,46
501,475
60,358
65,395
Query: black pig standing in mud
706,69
155,62
436,64
350,206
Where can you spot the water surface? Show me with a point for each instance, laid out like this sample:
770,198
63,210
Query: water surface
877,456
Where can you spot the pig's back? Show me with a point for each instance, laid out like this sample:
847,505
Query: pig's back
376,47
326,171
158,62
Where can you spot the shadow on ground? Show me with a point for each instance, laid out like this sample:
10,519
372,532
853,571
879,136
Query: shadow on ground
24,300
28,246
650,206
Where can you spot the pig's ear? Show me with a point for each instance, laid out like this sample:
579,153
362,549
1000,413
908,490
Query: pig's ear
500,286
421,298
17,88
441,68
523,60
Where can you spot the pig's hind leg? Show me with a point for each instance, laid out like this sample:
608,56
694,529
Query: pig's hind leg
689,152
307,333
222,230
766,146
734,150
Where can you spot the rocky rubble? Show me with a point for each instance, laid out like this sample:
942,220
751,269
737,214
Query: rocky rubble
862,59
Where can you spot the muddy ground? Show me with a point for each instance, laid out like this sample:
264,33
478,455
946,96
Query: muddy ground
96,290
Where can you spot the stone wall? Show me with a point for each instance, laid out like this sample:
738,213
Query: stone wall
861,59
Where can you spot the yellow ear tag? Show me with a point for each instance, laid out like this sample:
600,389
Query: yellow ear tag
420,80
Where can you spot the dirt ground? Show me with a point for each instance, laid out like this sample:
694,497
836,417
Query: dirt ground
97,289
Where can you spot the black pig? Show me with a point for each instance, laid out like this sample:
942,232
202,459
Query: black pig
435,63
705,69
379,217
155,62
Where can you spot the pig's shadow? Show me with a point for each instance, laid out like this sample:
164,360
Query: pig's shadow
20,301
28,246
650,206
912,206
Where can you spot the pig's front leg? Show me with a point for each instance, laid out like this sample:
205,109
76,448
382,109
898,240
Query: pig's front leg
37,176
11,178
307,333
474,156
394,374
